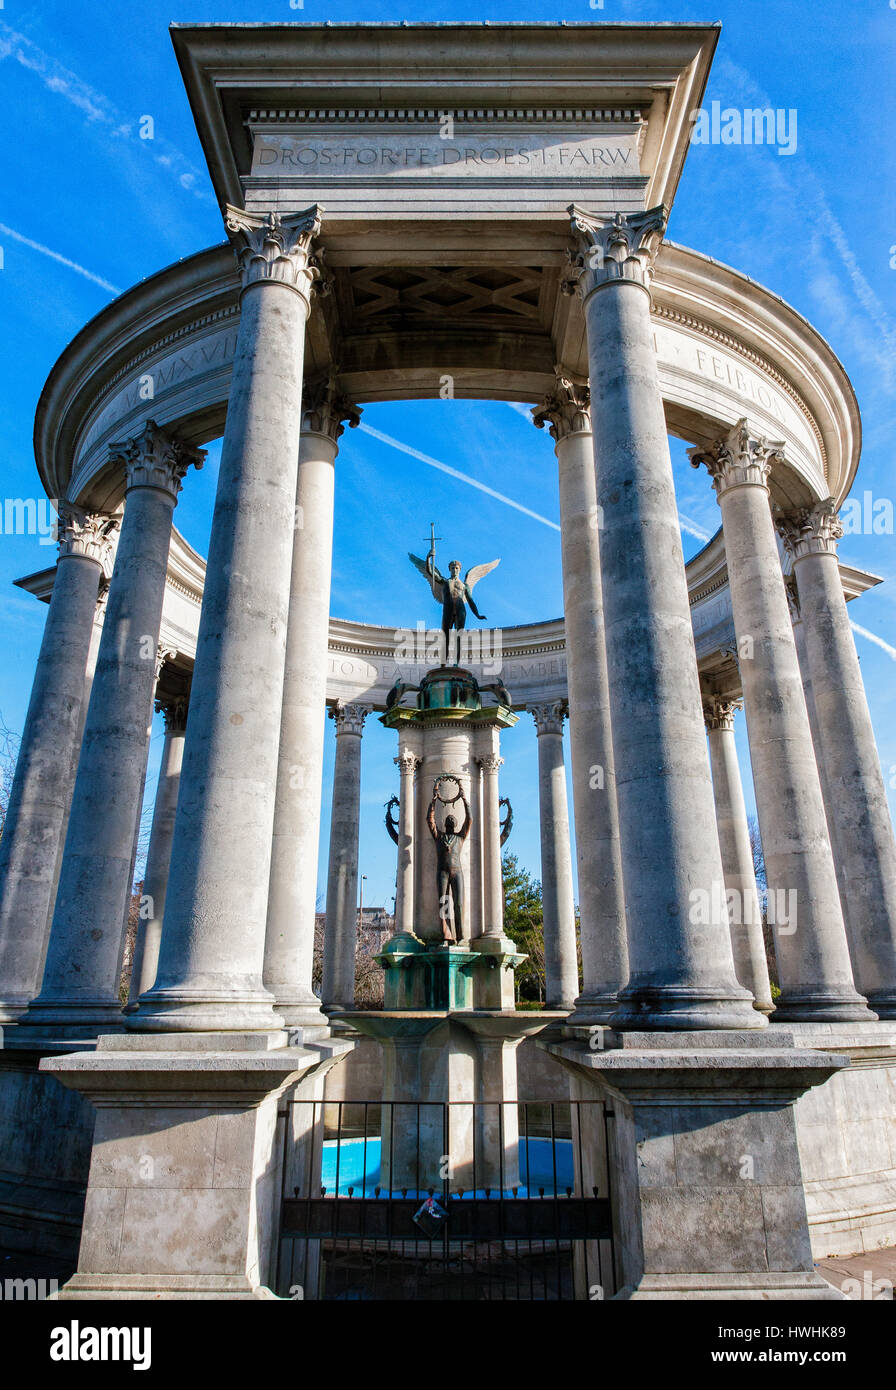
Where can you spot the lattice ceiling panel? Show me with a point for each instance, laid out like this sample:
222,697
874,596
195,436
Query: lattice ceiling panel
455,292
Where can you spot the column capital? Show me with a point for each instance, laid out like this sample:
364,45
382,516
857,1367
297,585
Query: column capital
270,247
490,762
349,718
549,717
89,535
738,459
324,408
719,711
163,654
610,249
407,763
812,530
173,709
153,458
567,410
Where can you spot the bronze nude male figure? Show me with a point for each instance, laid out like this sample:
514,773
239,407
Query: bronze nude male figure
449,846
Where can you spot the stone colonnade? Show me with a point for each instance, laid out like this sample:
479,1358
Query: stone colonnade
662,842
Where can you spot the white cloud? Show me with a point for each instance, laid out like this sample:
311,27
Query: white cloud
98,109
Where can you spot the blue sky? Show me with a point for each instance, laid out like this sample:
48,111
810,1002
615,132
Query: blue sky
88,209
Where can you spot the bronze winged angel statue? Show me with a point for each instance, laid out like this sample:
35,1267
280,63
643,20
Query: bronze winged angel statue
454,594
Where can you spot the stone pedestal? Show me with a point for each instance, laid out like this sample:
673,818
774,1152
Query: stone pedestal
185,1175
706,1186
436,1065
450,732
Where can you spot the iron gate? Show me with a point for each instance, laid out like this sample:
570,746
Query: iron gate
521,1190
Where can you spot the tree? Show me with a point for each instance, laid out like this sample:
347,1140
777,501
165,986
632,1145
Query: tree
9,752
524,924
762,889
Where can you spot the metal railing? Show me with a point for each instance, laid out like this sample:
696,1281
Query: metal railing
519,1209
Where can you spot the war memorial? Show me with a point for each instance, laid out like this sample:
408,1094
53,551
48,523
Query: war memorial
487,204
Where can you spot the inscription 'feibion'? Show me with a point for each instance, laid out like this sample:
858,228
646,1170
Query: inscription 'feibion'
422,153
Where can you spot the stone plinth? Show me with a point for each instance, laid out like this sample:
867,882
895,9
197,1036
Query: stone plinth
185,1172
436,1066
443,977
706,1185
448,731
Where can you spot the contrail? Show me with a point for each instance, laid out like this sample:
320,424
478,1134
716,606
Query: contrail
690,526
873,637
55,256
455,473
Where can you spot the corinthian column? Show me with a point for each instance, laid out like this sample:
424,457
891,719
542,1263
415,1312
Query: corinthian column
560,963
492,872
567,412
289,943
744,911
341,929
45,769
682,971
408,765
804,906
81,980
213,938
855,798
161,838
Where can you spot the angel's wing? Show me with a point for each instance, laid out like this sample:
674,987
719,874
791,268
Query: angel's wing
432,577
474,575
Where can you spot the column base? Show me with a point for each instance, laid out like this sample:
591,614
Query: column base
823,1007
86,1288
13,1007
883,1004
201,1011
654,1009
731,1287
495,988
298,1010
593,1008
54,1021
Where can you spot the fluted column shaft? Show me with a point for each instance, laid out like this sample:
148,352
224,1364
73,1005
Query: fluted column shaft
558,901
289,943
492,873
744,909
804,905
598,853
81,979
341,928
158,857
682,971
404,884
48,757
211,961
856,801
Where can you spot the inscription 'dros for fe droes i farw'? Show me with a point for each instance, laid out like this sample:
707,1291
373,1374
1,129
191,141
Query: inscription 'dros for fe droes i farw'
505,154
